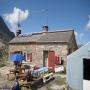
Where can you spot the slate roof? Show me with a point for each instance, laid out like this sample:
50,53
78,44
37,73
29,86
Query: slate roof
51,36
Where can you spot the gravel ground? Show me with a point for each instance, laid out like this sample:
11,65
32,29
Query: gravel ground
57,84
3,77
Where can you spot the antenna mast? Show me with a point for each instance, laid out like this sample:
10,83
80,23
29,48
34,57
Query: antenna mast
18,31
19,25
45,12
46,17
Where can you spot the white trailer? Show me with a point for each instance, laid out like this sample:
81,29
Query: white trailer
77,69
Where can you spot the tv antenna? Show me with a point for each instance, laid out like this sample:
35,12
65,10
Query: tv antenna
18,31
18,23
46,14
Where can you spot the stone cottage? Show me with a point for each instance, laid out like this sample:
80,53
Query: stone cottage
46,47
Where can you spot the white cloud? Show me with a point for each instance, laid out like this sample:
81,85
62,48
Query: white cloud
13,17
78,36
88,24
81,35
76,33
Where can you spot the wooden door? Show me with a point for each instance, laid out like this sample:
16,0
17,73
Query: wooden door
51,59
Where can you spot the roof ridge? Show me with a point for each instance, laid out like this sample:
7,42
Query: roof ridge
61,30
65,30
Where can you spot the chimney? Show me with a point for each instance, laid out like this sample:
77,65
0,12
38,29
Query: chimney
45,28
18,32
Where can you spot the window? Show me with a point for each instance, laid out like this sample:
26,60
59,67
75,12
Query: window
30,57
24,56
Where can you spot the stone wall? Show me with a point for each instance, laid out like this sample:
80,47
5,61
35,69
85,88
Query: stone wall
59,49
38,48
72,44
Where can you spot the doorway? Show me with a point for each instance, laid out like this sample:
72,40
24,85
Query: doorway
49,59
86,69
86,73
45,58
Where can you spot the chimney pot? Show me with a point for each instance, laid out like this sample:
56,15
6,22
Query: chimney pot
45,28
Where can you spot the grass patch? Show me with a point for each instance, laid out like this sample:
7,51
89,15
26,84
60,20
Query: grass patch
2,65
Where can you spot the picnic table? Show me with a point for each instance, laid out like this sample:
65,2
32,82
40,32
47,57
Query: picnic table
34,79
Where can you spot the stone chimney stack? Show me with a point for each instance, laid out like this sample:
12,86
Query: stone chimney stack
18,32
45,28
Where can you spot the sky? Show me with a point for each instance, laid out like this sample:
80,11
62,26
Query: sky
57,14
